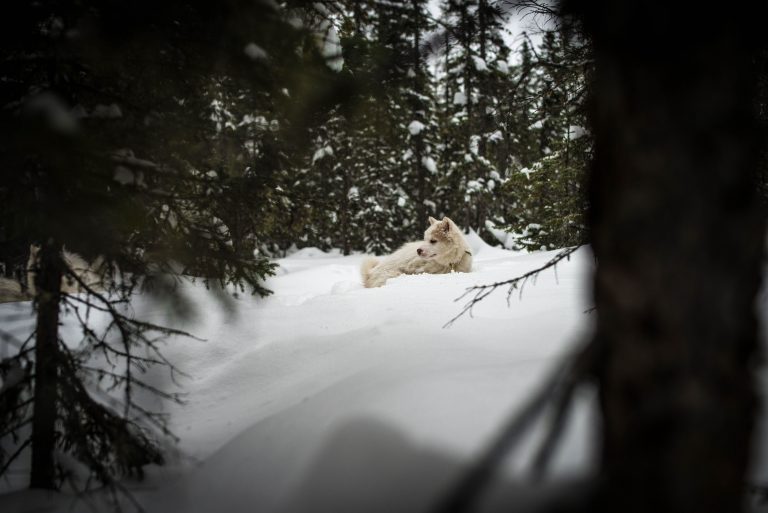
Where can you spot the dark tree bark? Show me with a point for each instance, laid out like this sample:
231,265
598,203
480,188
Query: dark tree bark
678,233
344,213
419,170
48,285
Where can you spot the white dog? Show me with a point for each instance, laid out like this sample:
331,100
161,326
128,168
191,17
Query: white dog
443,250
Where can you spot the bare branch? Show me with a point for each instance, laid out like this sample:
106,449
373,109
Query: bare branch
15,455
483,291
557,388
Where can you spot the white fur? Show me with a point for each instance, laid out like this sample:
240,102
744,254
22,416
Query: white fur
449,252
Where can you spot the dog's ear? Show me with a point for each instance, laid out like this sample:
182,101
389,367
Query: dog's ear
445,224
432,220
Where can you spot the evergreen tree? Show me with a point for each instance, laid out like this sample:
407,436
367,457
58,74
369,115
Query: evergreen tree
518,107
374,157
678,233
474,144
420,144
546,199
120,142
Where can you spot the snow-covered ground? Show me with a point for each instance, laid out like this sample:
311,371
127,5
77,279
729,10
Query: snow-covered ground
330,397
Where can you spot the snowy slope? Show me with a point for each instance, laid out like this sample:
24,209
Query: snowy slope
330,397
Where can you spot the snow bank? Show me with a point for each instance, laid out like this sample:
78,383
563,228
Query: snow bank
327,396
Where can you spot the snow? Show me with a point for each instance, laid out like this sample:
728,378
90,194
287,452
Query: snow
255,52
575,132
480,64
507,239
327,396
474,186
474,144
459,98
429,164
415,127
496,136
294,21
259,121
329,44
321,153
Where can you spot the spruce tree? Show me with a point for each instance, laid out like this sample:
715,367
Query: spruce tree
420,152
120,142
477,60
547,197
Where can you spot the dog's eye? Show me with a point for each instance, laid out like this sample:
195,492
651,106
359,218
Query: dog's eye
432,241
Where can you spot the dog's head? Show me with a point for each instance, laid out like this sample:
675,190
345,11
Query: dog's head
438,238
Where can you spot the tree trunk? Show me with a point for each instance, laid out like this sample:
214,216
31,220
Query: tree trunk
419,170
344,213
678,235
484,121
48,285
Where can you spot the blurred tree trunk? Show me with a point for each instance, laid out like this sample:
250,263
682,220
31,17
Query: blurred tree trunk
48,286
678,233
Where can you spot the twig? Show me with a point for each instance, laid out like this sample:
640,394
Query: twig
580,368
15,455
559,387
517,283
471,485
14,428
